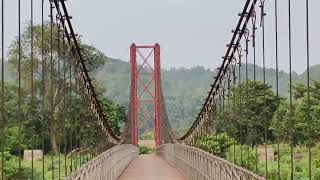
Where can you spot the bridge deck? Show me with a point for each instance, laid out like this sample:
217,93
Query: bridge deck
150,167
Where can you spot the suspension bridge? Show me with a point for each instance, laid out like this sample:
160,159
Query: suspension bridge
243,130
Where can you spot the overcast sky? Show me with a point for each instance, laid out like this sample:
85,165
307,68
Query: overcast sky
189,32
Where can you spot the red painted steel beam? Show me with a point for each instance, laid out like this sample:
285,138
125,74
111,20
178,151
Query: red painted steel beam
145,47
134,100
138,100
157,94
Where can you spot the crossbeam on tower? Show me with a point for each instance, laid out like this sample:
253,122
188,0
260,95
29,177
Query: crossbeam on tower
145,79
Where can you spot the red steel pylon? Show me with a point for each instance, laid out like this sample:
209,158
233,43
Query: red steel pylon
145,80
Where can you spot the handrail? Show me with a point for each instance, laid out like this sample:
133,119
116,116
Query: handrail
109,165
197,164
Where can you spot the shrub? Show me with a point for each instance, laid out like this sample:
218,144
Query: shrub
145,150
215,144
11,169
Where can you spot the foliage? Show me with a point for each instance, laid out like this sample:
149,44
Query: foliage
115,113
302,119
11,170
183,87
148,136
65,121
248,158
55,100
215,144
183,90
145,150
296,126
317,174
254,110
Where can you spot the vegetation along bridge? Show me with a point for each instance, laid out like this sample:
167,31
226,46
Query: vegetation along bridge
255,122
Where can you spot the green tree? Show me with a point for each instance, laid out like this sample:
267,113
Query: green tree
115,113
60,58
73,123
9,128
304,125
10,131
249,105
215,144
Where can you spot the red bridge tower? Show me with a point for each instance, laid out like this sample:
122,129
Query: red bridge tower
145,87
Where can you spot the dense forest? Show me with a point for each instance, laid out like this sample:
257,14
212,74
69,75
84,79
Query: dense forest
185,89
49,111
261,112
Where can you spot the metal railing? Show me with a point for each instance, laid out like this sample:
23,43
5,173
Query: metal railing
109,165
197,164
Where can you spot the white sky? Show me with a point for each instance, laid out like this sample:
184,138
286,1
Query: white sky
190,32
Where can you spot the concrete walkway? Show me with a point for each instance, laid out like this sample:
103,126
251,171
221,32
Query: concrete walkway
150,167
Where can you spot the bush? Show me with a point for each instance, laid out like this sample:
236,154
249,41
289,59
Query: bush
248,158
215,144
145,150
317,174
317,155
11,169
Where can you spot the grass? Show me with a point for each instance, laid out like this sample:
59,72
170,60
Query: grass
56,166
300,166
300,162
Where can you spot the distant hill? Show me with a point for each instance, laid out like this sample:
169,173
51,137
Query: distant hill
185,89
283,77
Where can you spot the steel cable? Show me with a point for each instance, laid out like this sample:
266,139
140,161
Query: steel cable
3,121
58,29
32,89
239,49
291,124
19,85
51,89
277,83
43,89
308,91
263,14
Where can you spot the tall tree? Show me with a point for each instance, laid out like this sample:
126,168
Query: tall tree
94,59
258,103
305,117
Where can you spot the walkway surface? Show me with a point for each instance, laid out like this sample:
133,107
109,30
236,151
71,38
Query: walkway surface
150,167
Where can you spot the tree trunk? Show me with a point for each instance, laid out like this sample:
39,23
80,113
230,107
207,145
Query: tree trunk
55,148
55,136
